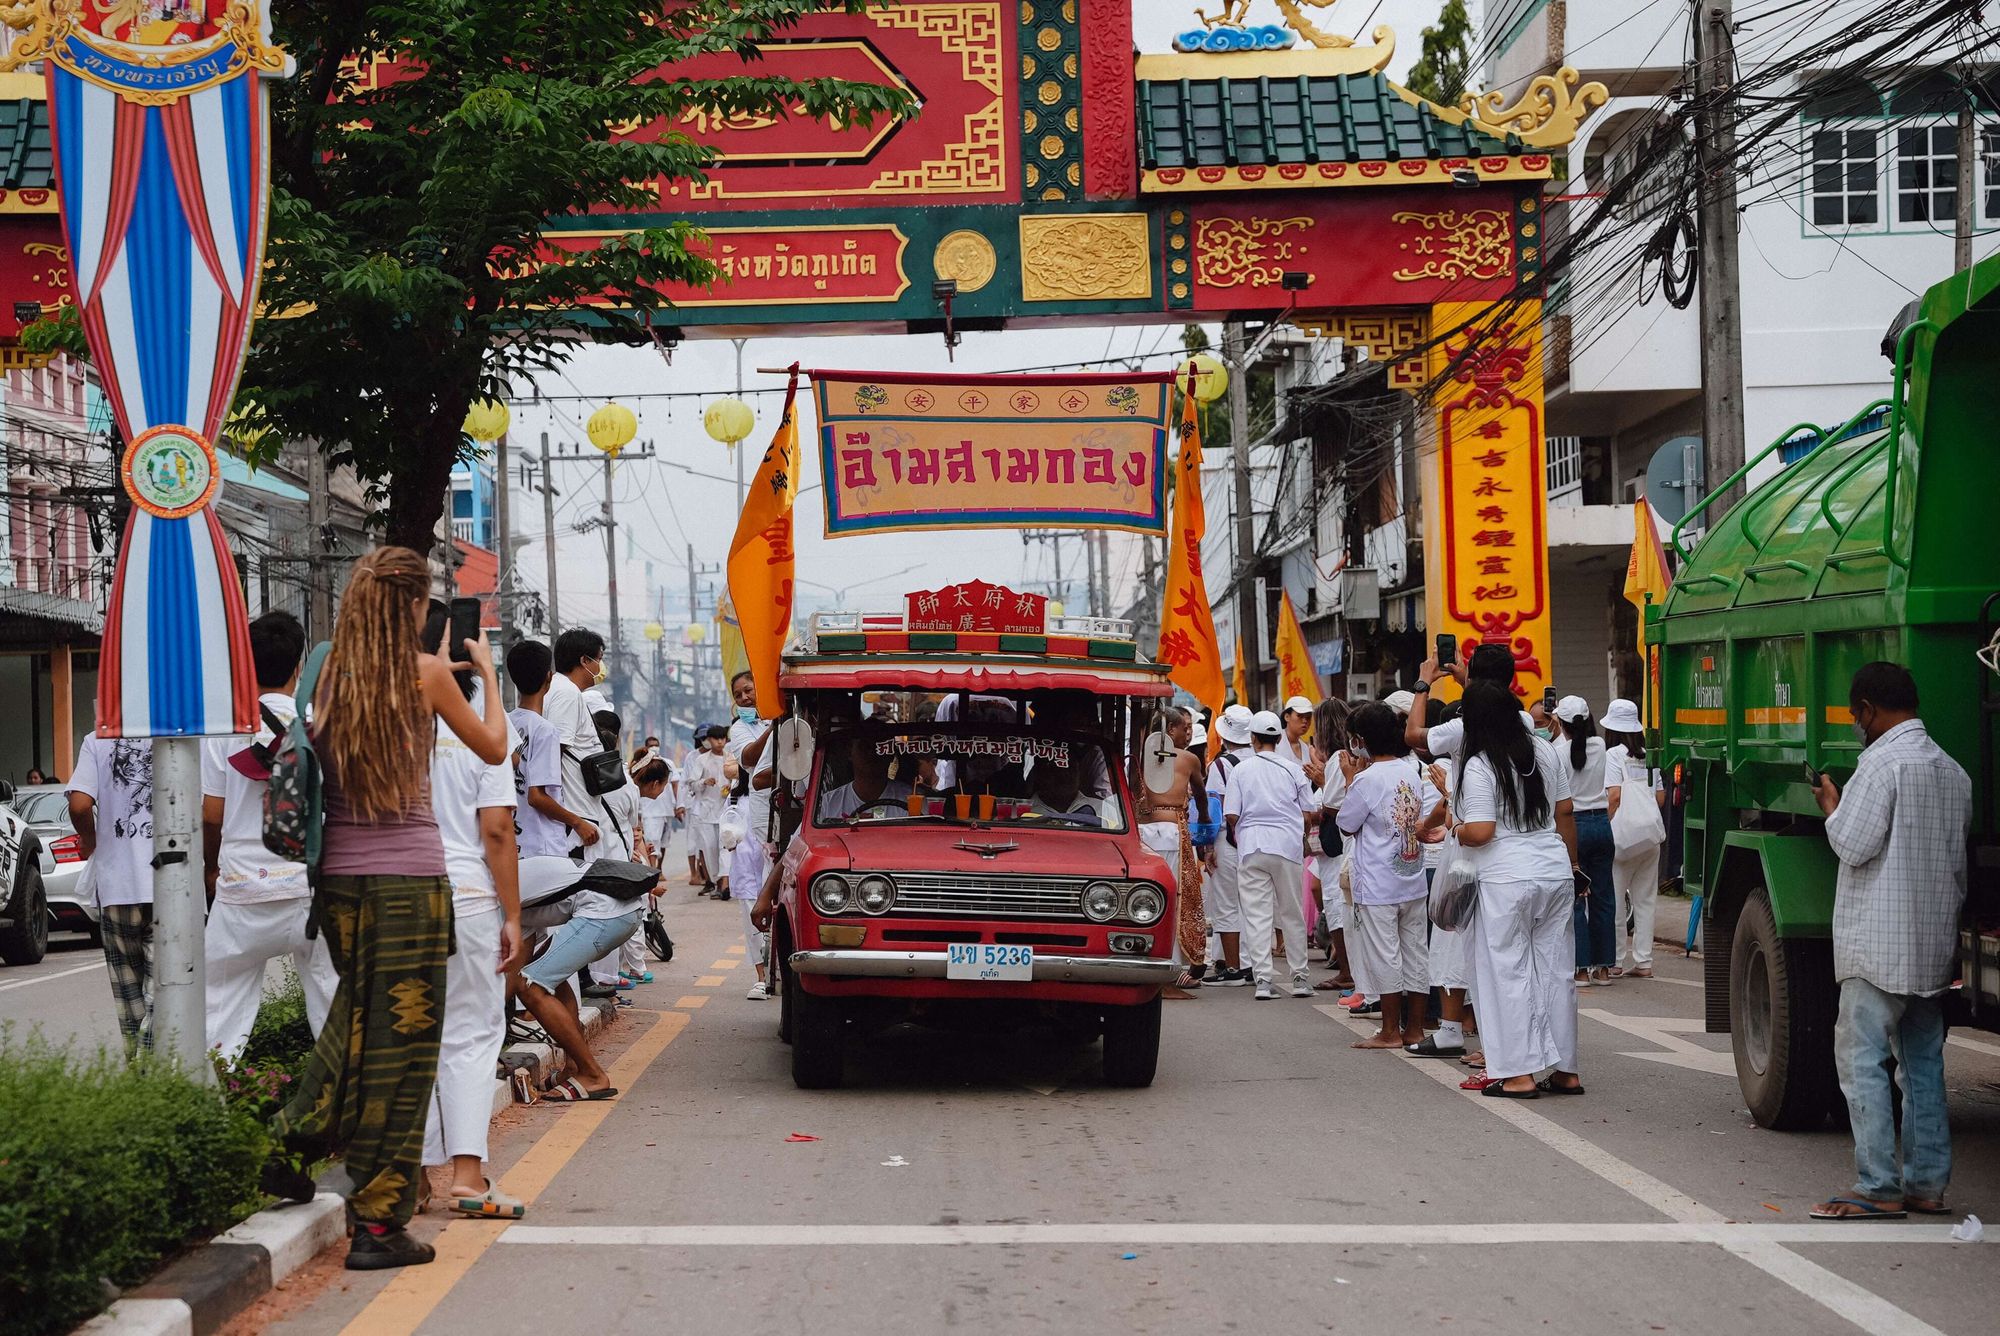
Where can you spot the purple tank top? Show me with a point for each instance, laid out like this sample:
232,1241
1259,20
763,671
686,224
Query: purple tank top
404,846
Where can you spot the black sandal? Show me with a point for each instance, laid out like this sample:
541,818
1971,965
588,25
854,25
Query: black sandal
1547,1085
1499,1090
1427,1047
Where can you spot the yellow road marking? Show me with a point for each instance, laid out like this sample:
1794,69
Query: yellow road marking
735,950
406,1301
710,981
725,964
693,1003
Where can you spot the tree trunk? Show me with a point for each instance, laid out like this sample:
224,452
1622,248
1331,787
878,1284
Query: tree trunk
419,485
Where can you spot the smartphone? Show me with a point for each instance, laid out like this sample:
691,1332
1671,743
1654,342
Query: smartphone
1549,699
1813,776
464,626
1447,649
1582,880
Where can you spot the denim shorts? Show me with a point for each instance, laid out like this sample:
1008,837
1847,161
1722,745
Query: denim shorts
576,944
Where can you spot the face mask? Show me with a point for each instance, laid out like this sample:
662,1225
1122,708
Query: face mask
1545,734
747,713
1860,733
597,678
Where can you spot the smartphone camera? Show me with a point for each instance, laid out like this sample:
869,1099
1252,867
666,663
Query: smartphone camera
464,626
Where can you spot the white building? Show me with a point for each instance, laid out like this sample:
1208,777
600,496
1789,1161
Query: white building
1847,213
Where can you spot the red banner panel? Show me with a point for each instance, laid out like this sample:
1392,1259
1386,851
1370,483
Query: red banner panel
785,266
34,267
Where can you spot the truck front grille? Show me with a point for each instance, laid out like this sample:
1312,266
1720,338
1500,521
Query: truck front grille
985,895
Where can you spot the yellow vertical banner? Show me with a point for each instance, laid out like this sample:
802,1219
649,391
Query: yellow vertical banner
729,636
1187,626
1296,675
760,556
1237,680
1488,581
1646,582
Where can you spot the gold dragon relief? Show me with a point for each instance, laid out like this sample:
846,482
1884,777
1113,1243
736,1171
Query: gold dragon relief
1086,257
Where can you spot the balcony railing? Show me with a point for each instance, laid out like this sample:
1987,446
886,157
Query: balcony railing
465,531
1565,470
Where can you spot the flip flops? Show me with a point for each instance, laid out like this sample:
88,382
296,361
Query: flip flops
492,1204
574,1091
1499,1090
1428,1047
1863,1209
1547,1085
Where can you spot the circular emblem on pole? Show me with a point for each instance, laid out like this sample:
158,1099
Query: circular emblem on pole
170,472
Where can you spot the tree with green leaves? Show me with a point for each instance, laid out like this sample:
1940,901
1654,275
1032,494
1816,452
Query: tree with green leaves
1444,68
417,159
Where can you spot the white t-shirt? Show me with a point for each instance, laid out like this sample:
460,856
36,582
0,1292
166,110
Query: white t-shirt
565,707
1516,854
1586,785
705,799
1384,806
540,767
246,872
756,802
1620,769
462,784
118,777
1449,736
1268,796
843,802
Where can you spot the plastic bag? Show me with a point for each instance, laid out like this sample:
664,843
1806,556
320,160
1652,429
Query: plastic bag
1637,826
1455,889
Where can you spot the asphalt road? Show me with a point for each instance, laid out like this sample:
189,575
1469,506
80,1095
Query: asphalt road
1273,1179
66,997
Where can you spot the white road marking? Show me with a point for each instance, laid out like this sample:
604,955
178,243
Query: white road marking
1663,1030
1678,983
1853,1303
1976,1045
93,965
1742,1239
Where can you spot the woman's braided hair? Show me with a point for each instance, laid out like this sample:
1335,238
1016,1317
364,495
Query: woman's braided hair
374,724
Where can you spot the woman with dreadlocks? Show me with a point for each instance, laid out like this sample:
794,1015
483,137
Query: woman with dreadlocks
383,900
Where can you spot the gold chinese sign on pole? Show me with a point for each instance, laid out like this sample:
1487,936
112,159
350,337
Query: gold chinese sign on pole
1490,581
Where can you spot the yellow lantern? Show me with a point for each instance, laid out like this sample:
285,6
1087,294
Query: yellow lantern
1055,608
486,420
1211,377
696,633
654,632
728,420
611,428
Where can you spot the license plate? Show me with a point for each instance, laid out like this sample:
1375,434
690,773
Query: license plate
984,961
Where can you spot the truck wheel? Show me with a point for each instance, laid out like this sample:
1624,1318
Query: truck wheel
819,1032
788,987
1132,1044
1782,1003
26,940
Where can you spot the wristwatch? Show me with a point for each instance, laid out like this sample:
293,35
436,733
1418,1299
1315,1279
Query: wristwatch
1420,688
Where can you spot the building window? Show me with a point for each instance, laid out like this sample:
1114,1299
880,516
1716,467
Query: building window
1926,174
1844,179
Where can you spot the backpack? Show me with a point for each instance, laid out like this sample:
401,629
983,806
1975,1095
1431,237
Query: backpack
295,796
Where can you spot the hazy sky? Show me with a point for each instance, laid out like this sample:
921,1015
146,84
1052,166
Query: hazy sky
664,508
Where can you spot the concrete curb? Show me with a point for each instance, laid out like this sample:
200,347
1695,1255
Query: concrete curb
201,1290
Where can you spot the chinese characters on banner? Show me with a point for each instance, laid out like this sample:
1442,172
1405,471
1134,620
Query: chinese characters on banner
954,452
1188,642
977,606
1492,585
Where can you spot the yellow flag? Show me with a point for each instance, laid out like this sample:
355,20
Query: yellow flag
1187,628
1237,679
734,659
1296,675
1646,577
760,557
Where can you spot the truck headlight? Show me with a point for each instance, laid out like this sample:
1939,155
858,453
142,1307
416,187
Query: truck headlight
829,895
1145,903
876,894
1100,902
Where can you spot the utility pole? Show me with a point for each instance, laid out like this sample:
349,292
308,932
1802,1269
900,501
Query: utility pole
737,449
504,577
319,588
1090,573
1249,640
1968,180
180,981
611,563
549,538
1721,285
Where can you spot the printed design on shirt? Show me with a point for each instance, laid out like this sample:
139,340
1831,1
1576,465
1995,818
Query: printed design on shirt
1405,816
131,786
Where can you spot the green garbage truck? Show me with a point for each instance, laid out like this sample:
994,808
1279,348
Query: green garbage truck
1881,541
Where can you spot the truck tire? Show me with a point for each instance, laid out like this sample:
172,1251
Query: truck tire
781,959
1782,1002
25,939
819,1034
1132,1044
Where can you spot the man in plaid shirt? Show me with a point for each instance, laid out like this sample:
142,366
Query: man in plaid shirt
1900,834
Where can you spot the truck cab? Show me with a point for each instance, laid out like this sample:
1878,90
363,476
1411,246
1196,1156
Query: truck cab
964,847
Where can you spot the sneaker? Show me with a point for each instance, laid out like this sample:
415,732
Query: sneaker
1224,977
1302,985
594,989
370,1251
1266,993
759,992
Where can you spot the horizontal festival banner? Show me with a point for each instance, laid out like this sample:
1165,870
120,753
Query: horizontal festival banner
927,451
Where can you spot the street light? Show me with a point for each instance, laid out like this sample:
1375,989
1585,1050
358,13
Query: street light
841,592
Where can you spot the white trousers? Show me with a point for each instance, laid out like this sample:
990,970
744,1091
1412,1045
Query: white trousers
239,942
1637,880
1332,901
705,838
755,943
1386,948
1524,950
1270,885
1451,952
1220,899
475,1023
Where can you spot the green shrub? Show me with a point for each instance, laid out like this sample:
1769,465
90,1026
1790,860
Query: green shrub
106,1169
281,1039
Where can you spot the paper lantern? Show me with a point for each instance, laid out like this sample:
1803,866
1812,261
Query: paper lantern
611,428
654,632
1055,608
1211,378
728,420
486,420
696,633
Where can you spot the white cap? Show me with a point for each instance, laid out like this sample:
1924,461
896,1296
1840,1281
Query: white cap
1234,725
1572,708
1622,716
1298,705
1264,724
1402,702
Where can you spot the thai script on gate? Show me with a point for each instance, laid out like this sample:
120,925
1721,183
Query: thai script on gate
1010,747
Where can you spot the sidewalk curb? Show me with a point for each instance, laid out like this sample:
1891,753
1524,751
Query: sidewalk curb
200,1291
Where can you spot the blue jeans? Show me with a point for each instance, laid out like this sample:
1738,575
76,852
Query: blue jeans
1875,1027
1597,913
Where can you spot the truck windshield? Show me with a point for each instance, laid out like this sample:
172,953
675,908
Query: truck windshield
1010,777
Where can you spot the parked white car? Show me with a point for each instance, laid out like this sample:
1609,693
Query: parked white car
24,905
72,906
